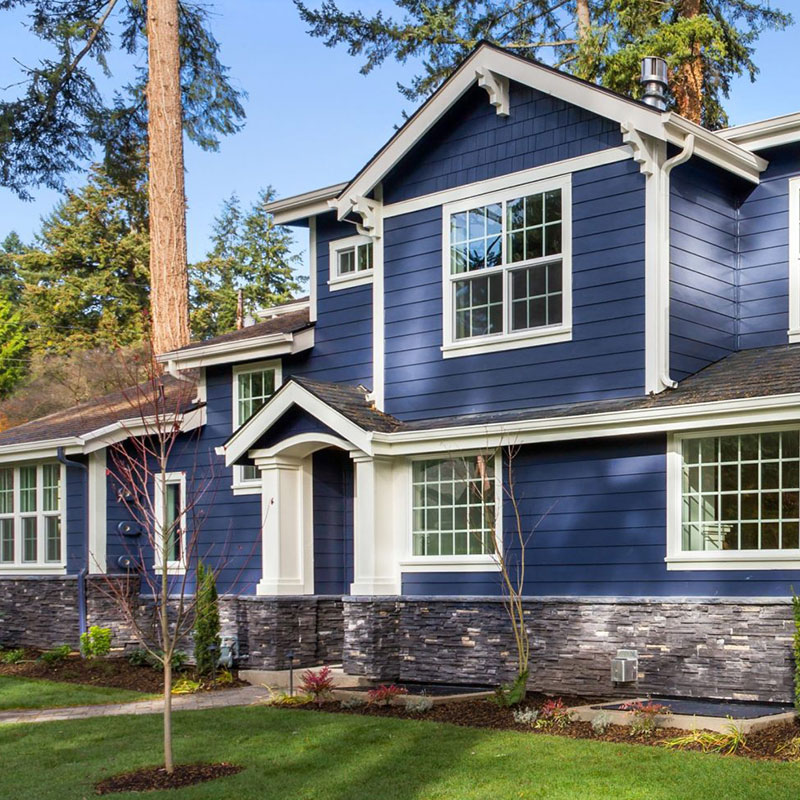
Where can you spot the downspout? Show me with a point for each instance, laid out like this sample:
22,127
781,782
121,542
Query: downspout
85,569
681,158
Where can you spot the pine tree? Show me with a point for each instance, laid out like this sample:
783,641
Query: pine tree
13,346
206,623
707,43
86,278
249,253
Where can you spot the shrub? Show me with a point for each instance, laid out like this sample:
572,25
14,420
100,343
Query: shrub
601,723
142,657
224,677
418,705
509,694
206,623
56,655
644,716
139,658
727,742
318,685
383,695
285,699
12,656
791,749
186,686
96,642
554,714
525,716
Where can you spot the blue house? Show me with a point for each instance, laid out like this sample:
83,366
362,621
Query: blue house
537,296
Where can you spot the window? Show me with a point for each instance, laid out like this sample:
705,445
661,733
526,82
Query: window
170,506
253,385
735,498
507,269
351,262
794,259
31,516
453,506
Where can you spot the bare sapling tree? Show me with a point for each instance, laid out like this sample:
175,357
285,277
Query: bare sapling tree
508,549
164,508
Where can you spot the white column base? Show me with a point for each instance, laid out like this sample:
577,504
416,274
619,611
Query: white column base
376,587
284,587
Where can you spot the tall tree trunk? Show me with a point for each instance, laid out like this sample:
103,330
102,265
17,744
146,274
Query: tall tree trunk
688,81
586,63
583,17
169,281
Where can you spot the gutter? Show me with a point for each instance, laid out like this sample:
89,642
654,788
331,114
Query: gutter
85,569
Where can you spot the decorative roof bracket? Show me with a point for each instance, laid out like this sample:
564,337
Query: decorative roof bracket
368,209
642,153
496,87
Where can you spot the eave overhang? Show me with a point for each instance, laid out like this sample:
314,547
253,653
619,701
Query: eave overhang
766,133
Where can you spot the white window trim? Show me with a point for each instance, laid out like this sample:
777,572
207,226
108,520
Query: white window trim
455,563
336,281
451,347
794,259
40,566
678,559
240,486
159,480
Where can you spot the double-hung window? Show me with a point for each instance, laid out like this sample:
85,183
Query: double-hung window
507,269
253,385
454,504
170,506
735,498
31,512
351,262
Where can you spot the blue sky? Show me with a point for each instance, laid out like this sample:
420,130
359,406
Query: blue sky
312,119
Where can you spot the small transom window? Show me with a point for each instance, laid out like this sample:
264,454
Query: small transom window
351,261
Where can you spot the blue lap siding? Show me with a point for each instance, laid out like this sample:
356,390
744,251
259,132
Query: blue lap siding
76,517
599,513
606,355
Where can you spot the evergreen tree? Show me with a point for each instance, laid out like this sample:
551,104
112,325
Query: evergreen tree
706,43
86,278
206,623
13,346
249,253
11,248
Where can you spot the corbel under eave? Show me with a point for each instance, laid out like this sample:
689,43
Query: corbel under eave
368,209
496,87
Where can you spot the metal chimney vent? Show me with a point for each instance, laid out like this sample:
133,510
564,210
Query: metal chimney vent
654,81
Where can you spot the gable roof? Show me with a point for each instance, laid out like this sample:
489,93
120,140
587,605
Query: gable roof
488,58
107,418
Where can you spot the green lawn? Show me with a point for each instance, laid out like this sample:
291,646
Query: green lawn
298,755
16,693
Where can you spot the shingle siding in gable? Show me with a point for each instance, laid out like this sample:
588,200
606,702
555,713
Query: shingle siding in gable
343,333
764,253
604,359
703,223
472,143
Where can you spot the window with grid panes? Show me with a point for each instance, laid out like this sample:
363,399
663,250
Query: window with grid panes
453,506
740,492
506,267
253,389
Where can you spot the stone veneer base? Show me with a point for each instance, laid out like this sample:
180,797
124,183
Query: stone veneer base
720,648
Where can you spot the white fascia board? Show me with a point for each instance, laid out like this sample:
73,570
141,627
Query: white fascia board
46,448
261,347
301,206
284,308
710,147
764,133
292,394
694,416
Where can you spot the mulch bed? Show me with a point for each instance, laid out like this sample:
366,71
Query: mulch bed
113,673
763,744
151,779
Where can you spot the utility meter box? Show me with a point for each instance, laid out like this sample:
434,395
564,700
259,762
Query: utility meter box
625,666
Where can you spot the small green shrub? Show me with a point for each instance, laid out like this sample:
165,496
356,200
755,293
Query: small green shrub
96,642
601,723
206,623
224,677
727,742
142,658
353,702
418,705
510,694
56,655
525,716
139,658
186,686
285,699
12,656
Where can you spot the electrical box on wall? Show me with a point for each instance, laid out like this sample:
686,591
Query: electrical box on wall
625,666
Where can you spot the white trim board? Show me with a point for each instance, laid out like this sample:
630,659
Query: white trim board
794,259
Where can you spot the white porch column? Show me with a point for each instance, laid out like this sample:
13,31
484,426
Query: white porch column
377,526
287,541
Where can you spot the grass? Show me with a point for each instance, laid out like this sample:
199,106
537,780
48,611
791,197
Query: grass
20,693
300,755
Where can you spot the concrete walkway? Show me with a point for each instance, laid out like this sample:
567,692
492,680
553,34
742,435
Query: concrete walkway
226,698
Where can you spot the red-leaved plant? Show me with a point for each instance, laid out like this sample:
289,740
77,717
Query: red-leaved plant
644,716
383,695
554,714
318,685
